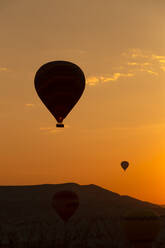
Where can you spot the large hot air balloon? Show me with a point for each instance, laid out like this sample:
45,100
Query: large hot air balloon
65,204
59,84
124,165
141,227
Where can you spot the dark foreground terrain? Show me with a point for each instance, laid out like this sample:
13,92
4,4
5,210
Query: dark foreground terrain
28,220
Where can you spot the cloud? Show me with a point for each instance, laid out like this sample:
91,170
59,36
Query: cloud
162,68
149,71
157,57
52,130
135,53
29,104
3,69
116,76
49,130
134,62
145,61
92,81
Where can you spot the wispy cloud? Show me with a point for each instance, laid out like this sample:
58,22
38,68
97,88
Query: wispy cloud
159,58
92,81
116,76
3,69
149,71
162,68
49,130
29,104
134,62
52,130
145,61
136,53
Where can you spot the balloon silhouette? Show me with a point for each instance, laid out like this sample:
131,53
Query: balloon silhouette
59,84
124,165
141,227
65,204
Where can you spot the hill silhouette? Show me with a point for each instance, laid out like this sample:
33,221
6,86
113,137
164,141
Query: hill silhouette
31,202
28,219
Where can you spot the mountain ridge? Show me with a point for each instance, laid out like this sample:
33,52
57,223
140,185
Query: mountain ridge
30,201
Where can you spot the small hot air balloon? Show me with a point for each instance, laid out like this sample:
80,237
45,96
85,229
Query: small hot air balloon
124,165
59,84
65,204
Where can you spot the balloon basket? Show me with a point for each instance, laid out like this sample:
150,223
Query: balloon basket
59,125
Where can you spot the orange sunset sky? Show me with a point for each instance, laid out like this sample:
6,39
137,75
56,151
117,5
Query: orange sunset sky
120,46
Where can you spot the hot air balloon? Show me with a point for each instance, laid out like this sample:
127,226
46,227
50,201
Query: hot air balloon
59,84
141,227
65,204
124,165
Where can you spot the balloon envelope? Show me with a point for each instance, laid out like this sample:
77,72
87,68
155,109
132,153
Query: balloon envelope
65,203
59,84
124,165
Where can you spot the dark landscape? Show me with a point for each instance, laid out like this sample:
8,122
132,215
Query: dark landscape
28,219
